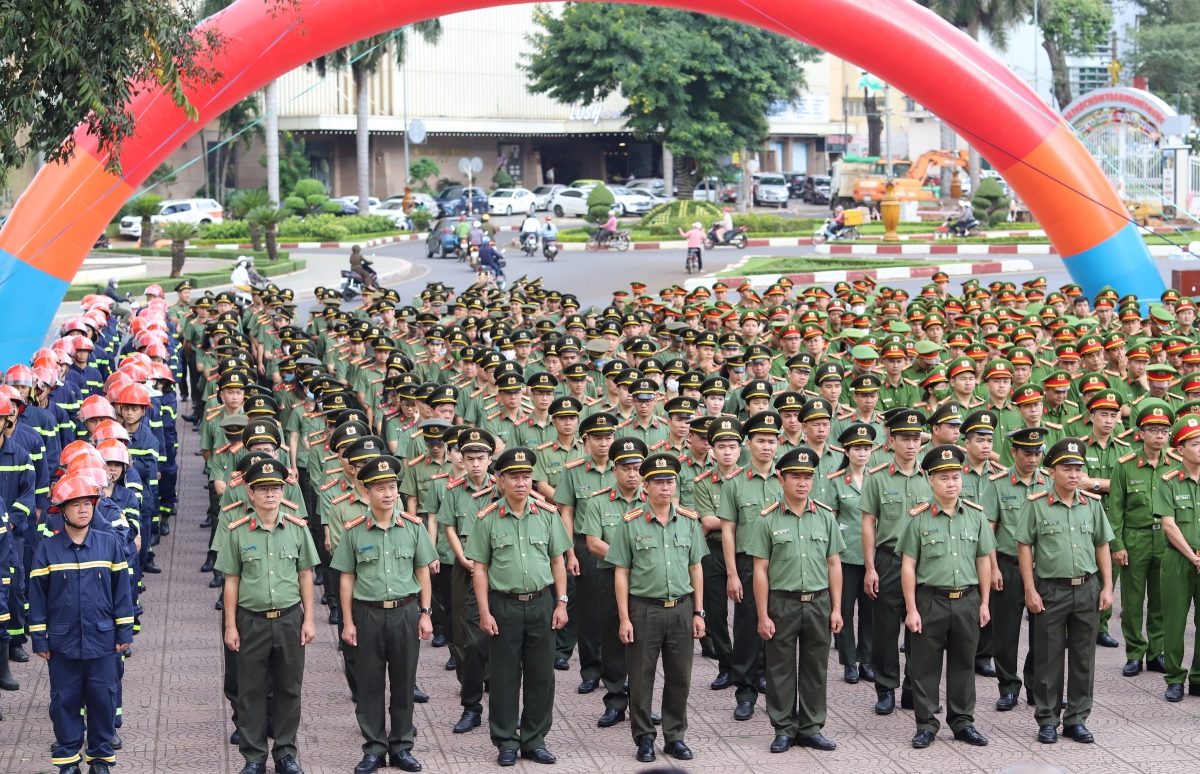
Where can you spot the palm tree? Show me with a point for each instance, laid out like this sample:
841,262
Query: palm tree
179,233
237,121
146,207
363,58
243,202
268,217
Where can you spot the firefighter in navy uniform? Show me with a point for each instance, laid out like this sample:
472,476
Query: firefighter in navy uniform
80,615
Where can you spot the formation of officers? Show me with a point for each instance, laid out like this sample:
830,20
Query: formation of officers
517,479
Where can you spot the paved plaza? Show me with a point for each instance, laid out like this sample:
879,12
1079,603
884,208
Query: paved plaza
176,718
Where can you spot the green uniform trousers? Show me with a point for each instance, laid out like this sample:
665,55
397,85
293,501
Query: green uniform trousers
524,648
581,625
797,660
1180,591
442,602
949,627
887,620
1007,606
388,647
666,631
716,606
747,657
1073,612
612,651
270,667
1141,588
470,645
852,649
347,650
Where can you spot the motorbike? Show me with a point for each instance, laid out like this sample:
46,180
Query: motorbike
550,250
473,257
825,233
463,252
618,241
951,228
352,281
495,276
693,260
734,237
529,243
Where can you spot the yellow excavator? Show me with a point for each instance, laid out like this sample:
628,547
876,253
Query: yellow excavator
865,181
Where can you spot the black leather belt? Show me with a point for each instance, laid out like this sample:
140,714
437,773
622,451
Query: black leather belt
1156,526
389,604
1171,546
1082,579
523,597
949,593
271,614
661,602
1006,558
802,596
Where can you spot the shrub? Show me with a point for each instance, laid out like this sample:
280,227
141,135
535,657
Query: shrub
420,219
295,204
990,203
600,200
501,179
331,208
680,211
327,228
309,187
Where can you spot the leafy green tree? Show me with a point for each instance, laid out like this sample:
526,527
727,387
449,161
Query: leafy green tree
501,179
989,202
243,202
1167,49
179,232
239,121
268,219
704,84
420,171
146,207
308,196
164,175
600,200
293,164
1071,28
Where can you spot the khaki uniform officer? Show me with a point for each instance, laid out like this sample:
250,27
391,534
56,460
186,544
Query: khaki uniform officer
724,436
1070,533
384,560
268,617
946,576
798,589
656,552
843,488
521,585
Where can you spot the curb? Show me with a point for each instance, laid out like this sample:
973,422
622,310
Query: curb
319,245
935,249
886,274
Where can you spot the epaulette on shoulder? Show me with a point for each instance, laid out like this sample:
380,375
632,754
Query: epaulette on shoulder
920,509
493,415
1126,457
1170,474
337,500
488,510
487,490
633,514
415,433
414,461
545,504
415,519
601,491
998,476
476,393
541,446
833,475
454,482
659,445
1092,495
231,506
974,505
1053,426
1121,442
913,382
823,505
354,522
847,414
574,463
689,513
293,518
878,467
837,449
289,504
1071,403
1075,418
1036,495
212,412
238,522
1174,455
328,484
436,476
735,472
1130,431
698,478
769,508
333,471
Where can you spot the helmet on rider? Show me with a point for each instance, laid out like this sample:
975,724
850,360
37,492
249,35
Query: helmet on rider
154,290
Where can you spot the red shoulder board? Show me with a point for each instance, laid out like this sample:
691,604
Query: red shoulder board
411,517
436,476
657,446
1126,457
239,522
328,484
818,502
919,509
337,500
598,492
231,506
454,482
878,467
769,508
689,513
541,446
548,506
633,514
1092,495
292,479
354,522
488,510
1170,474
833,475
998,476
698,478
574,463
289,504
493,415
1036,495
293,518
976,506
482,492
734,473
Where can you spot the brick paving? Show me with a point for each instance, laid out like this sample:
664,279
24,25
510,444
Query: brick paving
176,718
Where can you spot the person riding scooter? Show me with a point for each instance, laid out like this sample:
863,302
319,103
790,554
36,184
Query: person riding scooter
362,268
725,225
609,229
549,232
530,228
695,243
966,217
489,259
837,224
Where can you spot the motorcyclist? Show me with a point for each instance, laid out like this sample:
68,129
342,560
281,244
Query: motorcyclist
240,276
121,308
362,268
835,225
463,228
530,226
489,259
966,217
695,243
549,232
489,228
725,225
609,229
475,235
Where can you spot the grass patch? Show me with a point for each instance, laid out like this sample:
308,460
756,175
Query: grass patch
349,238
165,252
805,264
200,279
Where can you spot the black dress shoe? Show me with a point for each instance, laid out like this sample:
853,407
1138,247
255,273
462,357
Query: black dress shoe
468,721
816,741
1157,664
207,523
867,672
235,737
1174,693
587,686
1193,689
507,758
1079,733
419,696
438,641
1104,640
208,564
761,684
405,761
850,674
451,663
17,653
781,744
678,750
645,750
886,703
318,577
116,742
986,670
906,700
335,616
744,710
707,650
218,581
1006,702
656,718
151,568
540,755
287,765
923,739
369,764
969,735
220,603
611,717
1047,734
164,528
1132,668
254,768
98,767
561,664
722,682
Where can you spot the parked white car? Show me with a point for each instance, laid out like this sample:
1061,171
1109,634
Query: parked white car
506,201
630,202
200,212
569,201
350,204
544,193
770,188
651,186
393,209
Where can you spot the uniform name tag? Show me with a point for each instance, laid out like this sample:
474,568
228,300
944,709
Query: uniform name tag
1133,482
249,548
1183,497
364,548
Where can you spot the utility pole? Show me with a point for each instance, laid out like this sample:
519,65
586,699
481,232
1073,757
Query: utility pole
887,126
846,121
404,67
1036,32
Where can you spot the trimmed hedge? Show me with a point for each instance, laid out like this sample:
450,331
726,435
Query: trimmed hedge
202,279
321,228
165,252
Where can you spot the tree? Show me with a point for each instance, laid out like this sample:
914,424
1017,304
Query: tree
308,196
990,203
63,64
146,207
164,175
501,179
179,232
268,218
704,84
245,201
420,171
293,164
240,121
1071,28
600,200
1168,49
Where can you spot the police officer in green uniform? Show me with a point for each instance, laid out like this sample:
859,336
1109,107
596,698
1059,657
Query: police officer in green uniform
891,490
1003,499
978,439
1102,448
566,446
725,441
1066,591
267,561
384,560
1138,543
946,575
843,488
656,553
520,577
798,588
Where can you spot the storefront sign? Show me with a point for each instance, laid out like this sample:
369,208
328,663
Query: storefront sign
593,113
810,108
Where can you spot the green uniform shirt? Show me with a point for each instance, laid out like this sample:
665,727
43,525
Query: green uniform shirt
692,471
651,433
797,545
946,543
906,393
842,496
974,482
343,511
580,479
269,563
658,555
383,561
1100,462
1002,501
1131,493
603,512
505,428
534,435
518,547
418,475
1177,495
889,495
461,503
1064,535
552,458
744,495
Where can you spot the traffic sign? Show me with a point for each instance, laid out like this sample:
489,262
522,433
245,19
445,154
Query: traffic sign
464,165
416,131
476,164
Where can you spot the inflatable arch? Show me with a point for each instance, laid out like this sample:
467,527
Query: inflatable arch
58,218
